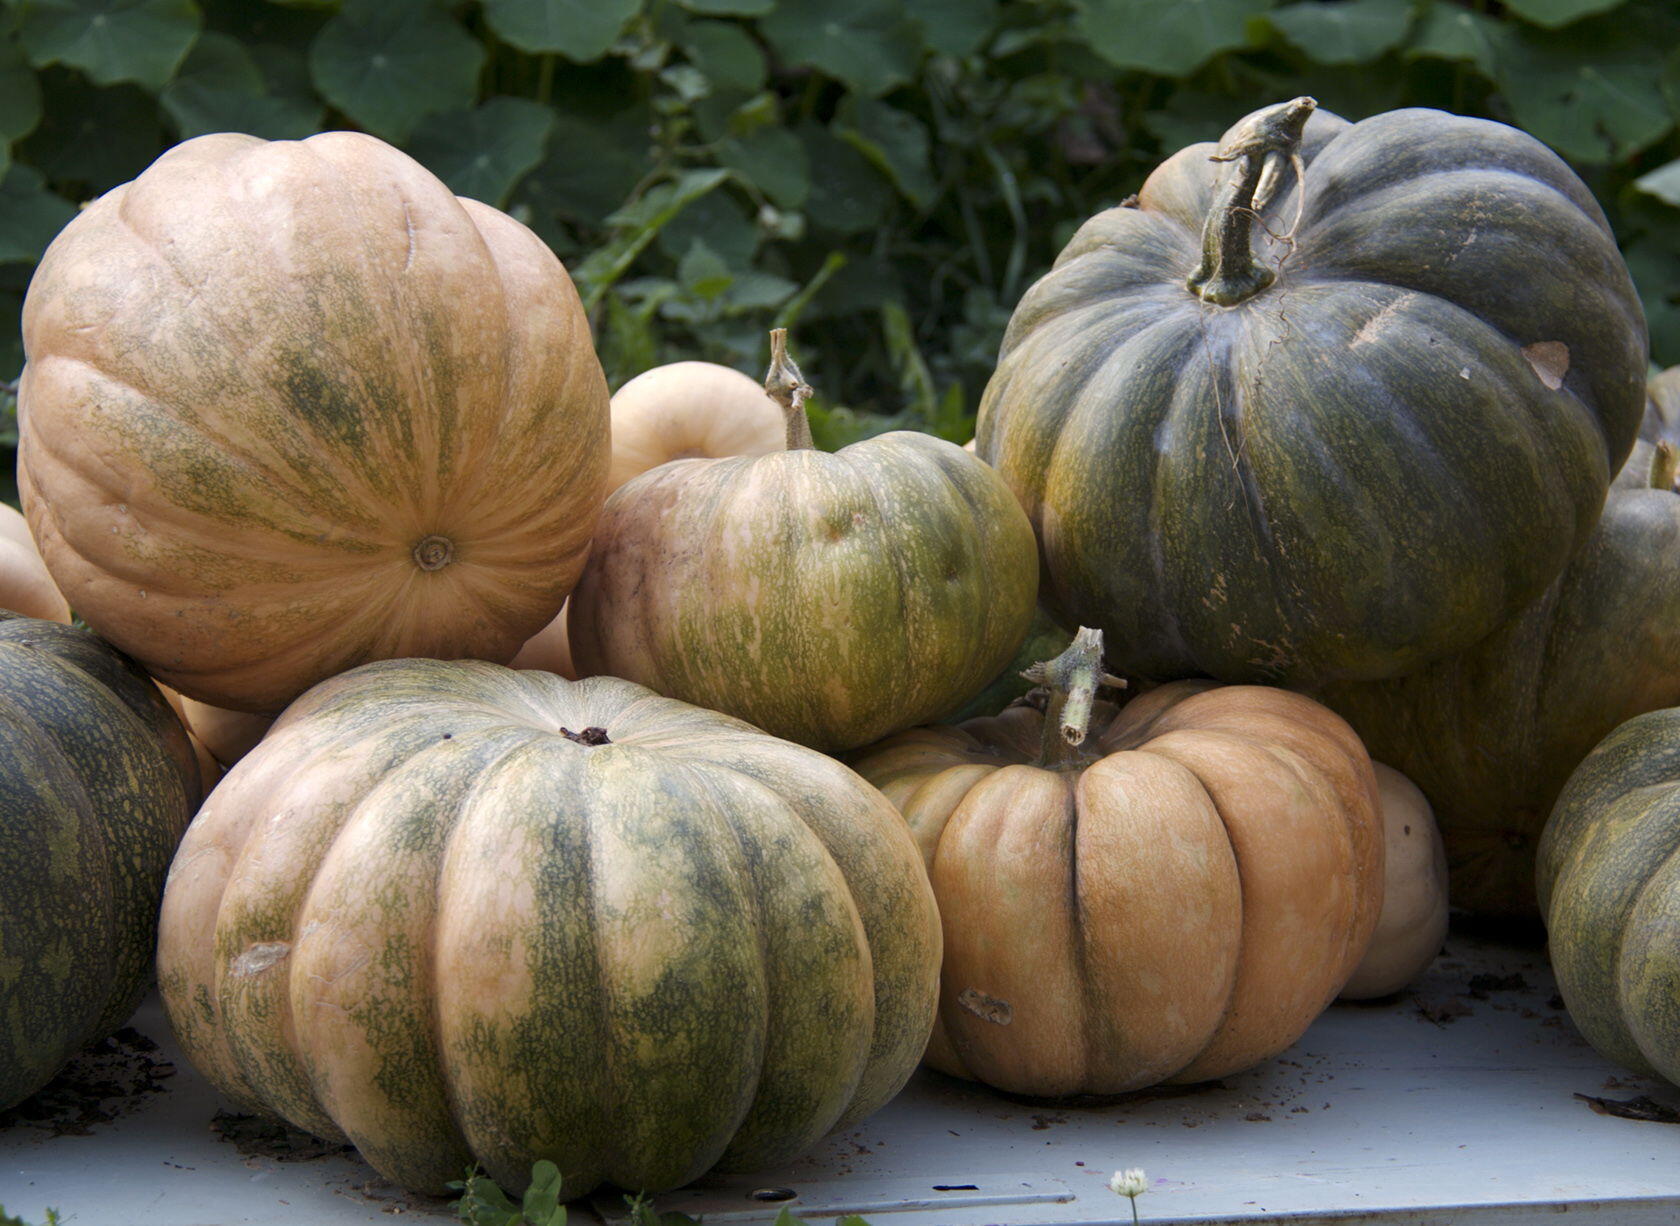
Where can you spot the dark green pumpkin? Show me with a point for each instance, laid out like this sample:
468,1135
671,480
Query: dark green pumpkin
1363,463
1491,733
1609,886
97,783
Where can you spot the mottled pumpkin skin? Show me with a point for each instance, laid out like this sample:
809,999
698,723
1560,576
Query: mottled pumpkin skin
1356,469
1178,902
292,406
1661,423
1609,887
418,917
97,782
1492,732
830,598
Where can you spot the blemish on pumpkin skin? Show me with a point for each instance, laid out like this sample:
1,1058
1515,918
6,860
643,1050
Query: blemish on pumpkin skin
259,957
986,1008
1550,360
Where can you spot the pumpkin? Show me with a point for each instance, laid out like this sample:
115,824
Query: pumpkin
1491,733
25,585
1170,890
270,389
1294,427
631,936
689,409
830,598
209,768
1609,890
549,649
1660,424
229,735
1413,921
97,781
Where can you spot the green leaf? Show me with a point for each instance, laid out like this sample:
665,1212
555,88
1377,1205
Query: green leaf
754,290
592,164
580,30
773,161
726,54
91,139
854,195
1170,39
1448,32
894,140
870,45
483,153
1554,13
729,8
1593,92
722,221
541,1205
703,272
1663,183
955,27
30,215
1344,31
640,222
388,65
20,97
111,40
220,88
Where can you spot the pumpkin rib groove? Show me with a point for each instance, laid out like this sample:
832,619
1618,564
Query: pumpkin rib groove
891,551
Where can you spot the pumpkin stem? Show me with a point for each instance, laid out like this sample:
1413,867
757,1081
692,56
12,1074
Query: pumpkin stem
1072,679
787,387
1266,142
1665,466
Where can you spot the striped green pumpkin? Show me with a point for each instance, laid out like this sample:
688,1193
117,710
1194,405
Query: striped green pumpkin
456,913
1609,886
830,598
97,781
1337,456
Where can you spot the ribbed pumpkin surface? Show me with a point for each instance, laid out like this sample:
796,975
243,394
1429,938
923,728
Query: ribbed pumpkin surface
830,598
1363,466
420,916
1176,903
1609,885
293,406
97,781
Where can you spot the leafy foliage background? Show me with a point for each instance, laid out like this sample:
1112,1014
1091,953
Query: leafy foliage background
886,176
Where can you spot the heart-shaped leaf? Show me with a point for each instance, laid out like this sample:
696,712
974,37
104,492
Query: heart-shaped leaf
1167,39
388,65
484,152
111,40
871,45
581,30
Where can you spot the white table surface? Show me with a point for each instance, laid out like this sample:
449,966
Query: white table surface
1436,1107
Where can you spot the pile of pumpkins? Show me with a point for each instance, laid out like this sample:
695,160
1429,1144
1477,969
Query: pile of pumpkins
1304,438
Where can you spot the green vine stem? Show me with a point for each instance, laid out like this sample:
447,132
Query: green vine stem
1264,144
1072,679
1665,466
787,387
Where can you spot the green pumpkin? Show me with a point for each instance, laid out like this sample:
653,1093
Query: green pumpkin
830,598
1491,733
456,913
1336,454
97,782
1609,886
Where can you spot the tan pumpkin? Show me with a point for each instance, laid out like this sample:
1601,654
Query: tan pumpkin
25,585
293,406
1173,897
229,735
1413,922
549,649
686,410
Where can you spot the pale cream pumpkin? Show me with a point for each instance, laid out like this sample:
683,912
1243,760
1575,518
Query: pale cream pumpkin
1174,897
25,585
293,406
688,410
1413,922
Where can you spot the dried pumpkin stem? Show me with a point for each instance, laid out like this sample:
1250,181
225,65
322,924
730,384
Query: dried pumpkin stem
1072,679
1665,466
1265,143
787,387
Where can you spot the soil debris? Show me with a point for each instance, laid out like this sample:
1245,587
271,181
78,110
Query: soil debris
110,1079
1642,1107
1481,985
1443,1012
256,1137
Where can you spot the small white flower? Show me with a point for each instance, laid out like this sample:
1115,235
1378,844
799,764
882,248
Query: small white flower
1130,1184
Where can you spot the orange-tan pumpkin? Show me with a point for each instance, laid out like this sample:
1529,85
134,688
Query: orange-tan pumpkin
1173,897
293,406
25,585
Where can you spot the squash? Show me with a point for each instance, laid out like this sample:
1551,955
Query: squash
827,598
270,387
97,781
508,917
229,735
1296,428
25,586
1491,734
1609,887
1170,890
690,409
549,649
209,768
1660,424
1413,922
